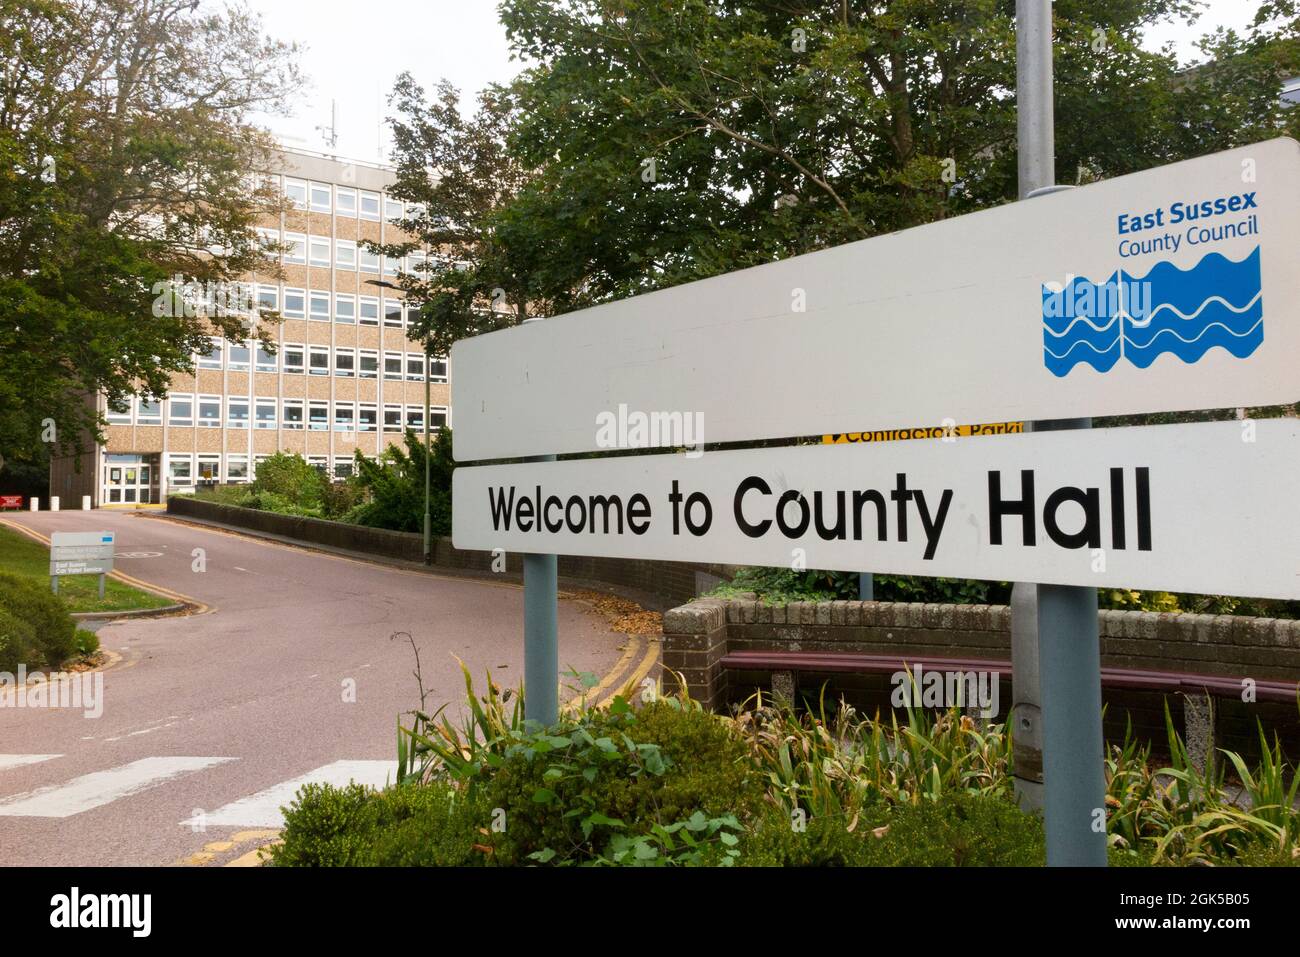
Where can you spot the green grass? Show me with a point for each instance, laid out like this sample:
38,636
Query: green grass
25,556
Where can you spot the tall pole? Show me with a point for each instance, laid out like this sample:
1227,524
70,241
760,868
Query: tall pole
541,635
1069,647
428,520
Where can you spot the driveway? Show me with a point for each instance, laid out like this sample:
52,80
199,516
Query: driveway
296,669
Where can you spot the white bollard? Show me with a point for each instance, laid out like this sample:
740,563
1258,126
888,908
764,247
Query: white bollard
35,504
54,503
85,503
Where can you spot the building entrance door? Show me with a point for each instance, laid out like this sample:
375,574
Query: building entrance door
128,480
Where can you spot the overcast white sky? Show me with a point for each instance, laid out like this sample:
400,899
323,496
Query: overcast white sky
349,61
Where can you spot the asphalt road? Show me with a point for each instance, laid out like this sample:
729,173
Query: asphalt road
213,718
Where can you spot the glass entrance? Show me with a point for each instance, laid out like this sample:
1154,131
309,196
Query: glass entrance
128,480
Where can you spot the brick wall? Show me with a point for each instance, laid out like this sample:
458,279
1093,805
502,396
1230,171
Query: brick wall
697,635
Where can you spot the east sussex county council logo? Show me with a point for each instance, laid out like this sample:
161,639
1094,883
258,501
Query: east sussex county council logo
1184,312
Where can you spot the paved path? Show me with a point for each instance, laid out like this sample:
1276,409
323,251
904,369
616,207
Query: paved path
210,721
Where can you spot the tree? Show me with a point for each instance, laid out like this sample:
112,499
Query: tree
669,142
125,160
394,485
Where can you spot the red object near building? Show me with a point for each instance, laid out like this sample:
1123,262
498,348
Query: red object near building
11,501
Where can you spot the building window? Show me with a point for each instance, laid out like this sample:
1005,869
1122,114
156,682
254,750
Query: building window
345,417
369,205
210,468
438,369
415,262
345,309
345,254
295,303
121,414
296,251
393,209
293,357
148,411
296,190
265,360
319,359
368,310
320,251
268,298
269,240
180,470
292,414
236,468
392,265
412,316
392,418
369,364
345,362
414,367
392,365
236,412
318,416
319,303
369,260
180,410
320,198
237,360
342,468
437,417
213,358
393,313
210,411
345,201
264,412
415,417
366,421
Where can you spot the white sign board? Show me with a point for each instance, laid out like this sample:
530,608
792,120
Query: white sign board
81,553
1176,288
1206,508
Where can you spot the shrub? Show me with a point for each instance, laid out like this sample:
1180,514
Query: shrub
662,784
289,476
53,628
87,642
395,486
406,825
17,642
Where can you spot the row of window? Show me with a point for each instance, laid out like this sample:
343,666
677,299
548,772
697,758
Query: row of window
296,359
315,415
345,200
344,308
302,249
183,469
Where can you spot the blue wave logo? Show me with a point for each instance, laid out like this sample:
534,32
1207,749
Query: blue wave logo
1185,312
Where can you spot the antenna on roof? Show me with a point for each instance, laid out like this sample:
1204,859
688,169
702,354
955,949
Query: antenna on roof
330,134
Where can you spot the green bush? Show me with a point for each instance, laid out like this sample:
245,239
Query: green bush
87,642
662,782
17,642
289,476
957,830
394,486
53,628
407,825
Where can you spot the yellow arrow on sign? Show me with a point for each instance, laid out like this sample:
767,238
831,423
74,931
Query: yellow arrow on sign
925,432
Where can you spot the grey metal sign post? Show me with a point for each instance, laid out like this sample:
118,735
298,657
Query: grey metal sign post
1068,645
541,635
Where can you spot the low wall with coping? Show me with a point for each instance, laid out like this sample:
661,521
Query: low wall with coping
663,584
698,634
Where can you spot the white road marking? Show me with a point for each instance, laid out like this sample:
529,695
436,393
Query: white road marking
263,808
101,787
19,760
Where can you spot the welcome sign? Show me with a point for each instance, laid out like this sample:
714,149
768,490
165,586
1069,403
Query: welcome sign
1200,508
1176,288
